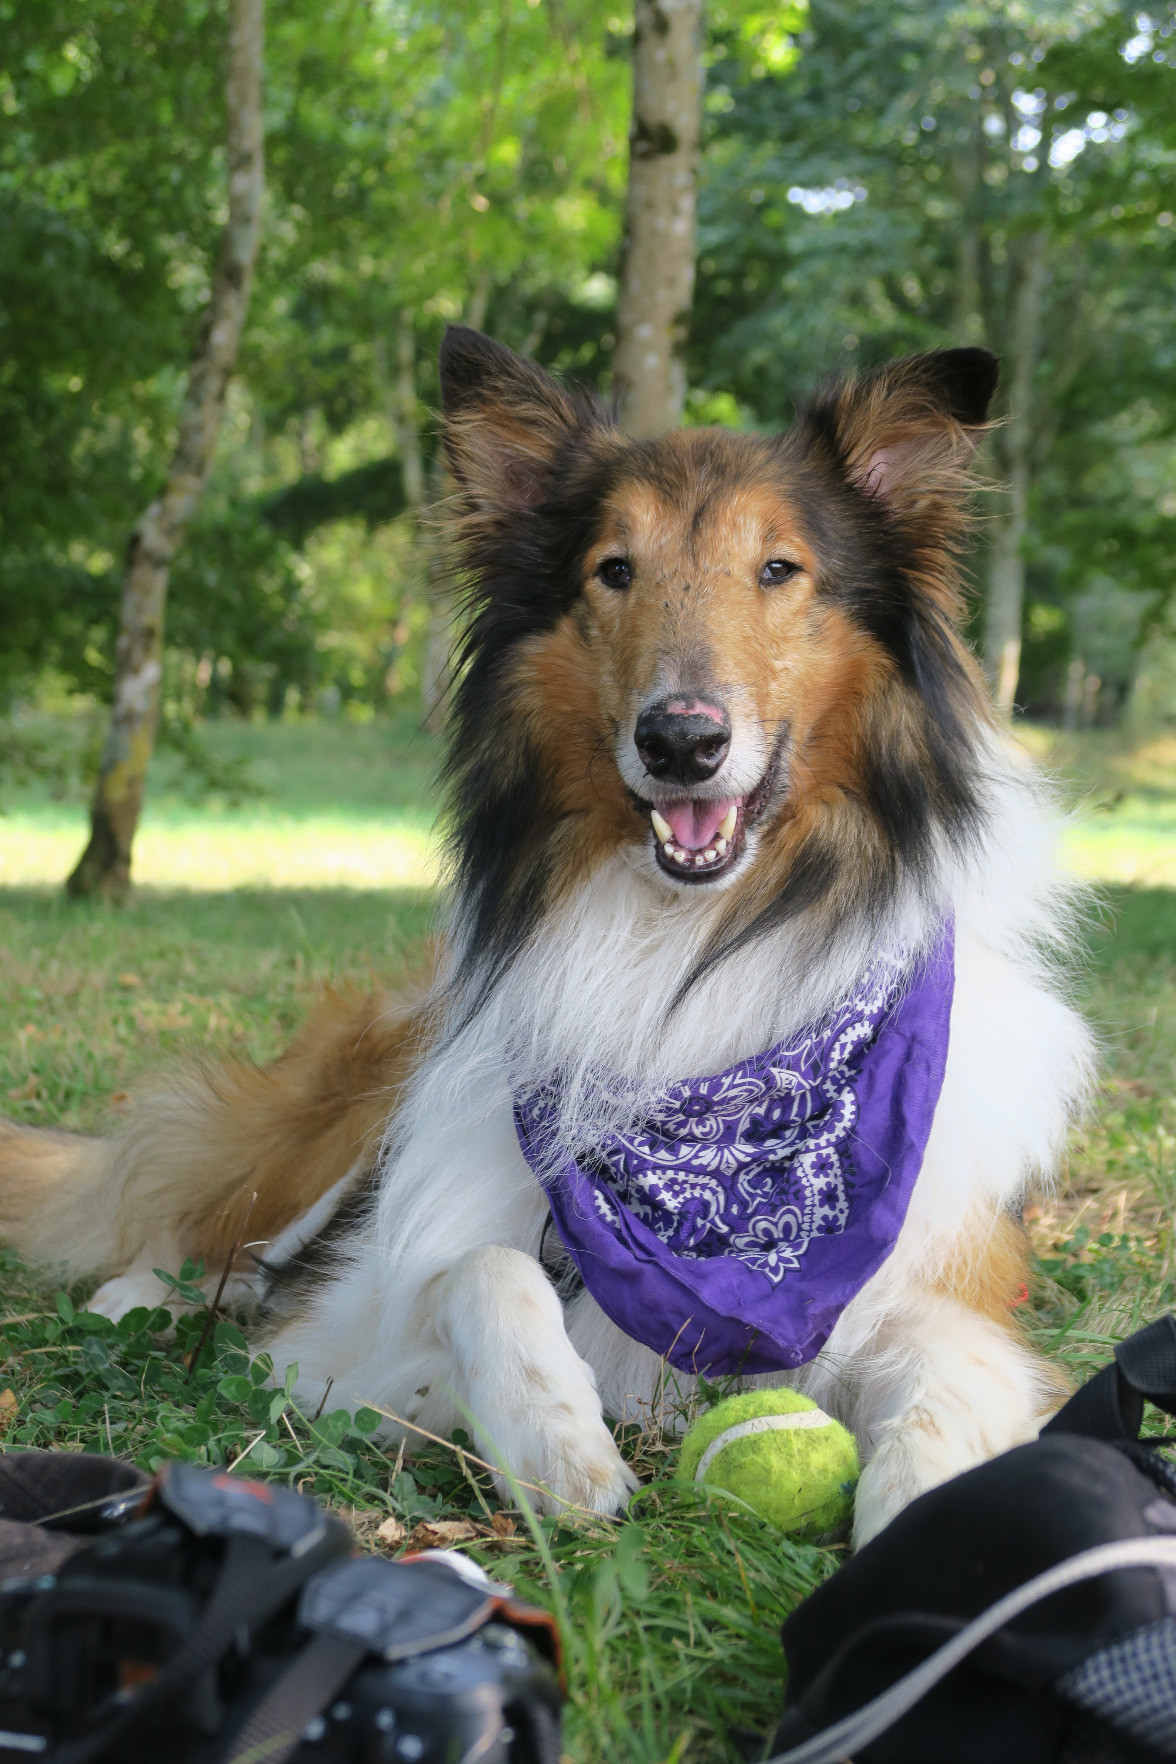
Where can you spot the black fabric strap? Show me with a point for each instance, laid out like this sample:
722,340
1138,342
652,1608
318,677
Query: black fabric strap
241,1588
1110,1405
310,1682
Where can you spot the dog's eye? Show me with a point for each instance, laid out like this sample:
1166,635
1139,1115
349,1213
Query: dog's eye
615,572
777,570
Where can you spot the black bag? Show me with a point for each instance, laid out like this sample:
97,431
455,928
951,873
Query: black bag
1023,1613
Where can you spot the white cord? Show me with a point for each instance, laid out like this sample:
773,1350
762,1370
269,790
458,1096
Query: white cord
837,1744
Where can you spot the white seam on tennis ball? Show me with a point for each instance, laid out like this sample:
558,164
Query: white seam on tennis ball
758,1424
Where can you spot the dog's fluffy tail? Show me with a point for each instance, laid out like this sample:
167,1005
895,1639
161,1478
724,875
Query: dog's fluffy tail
184,1170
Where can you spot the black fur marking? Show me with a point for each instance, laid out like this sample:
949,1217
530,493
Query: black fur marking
963,381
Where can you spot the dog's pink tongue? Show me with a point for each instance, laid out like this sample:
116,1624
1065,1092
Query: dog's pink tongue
696,824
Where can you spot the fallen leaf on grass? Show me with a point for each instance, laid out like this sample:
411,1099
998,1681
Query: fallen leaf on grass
502,1525
129,980
441,1534
392,1533
9,1408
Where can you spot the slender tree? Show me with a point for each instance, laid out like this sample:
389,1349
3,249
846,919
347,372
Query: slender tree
105,865
657,272
1006,568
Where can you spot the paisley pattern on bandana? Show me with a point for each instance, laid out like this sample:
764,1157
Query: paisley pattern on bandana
751,1163
747,1208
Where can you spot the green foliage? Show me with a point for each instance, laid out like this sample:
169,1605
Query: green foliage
434,160
873,198
134,1388
870,173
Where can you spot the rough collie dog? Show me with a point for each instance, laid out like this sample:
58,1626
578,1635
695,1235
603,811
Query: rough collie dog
747,1036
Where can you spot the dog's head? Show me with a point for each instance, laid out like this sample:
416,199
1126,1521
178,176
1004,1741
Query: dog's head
735,657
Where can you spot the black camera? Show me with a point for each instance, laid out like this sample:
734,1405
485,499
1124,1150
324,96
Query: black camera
229,1623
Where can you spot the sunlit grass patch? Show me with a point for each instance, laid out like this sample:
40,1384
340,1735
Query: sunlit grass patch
244,848
1122,794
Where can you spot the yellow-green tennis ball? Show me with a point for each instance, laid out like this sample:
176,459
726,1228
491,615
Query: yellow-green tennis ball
778,1452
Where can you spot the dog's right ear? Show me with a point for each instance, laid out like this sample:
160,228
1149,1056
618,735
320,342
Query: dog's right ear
507,423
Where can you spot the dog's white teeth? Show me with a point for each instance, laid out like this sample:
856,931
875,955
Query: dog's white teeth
720,846
727,824
681,856
661,827
709,856
668,849
700,859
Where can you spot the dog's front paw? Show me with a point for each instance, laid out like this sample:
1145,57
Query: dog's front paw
568,1458
532,1399
920,1451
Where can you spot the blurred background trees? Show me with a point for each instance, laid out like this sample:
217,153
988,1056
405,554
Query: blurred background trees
874,178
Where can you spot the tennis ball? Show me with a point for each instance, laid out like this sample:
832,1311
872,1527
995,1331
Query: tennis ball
777,1451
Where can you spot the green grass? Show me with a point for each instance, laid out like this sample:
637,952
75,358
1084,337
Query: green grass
670,1619
337,805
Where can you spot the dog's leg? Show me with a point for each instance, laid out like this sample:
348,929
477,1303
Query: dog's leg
533,1399
935,1389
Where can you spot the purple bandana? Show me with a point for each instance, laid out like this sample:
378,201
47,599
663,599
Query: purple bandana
731,1228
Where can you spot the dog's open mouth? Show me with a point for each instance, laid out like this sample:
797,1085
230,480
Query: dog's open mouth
698,838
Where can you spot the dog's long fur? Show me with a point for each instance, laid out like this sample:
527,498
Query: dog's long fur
874,795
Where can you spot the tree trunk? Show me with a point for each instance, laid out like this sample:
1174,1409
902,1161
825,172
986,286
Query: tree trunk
1006,574
967,307
408,417
657,271
105,865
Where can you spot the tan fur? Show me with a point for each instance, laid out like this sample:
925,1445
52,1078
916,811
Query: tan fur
990,1270
197,1149
989,1273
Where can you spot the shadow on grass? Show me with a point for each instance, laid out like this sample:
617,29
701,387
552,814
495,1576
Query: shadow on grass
335,924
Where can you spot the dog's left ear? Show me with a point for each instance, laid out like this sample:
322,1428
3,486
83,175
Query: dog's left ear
905,434
507,423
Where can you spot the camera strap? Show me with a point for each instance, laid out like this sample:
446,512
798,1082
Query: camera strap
308,1685
275,1540
369,1608
242,1578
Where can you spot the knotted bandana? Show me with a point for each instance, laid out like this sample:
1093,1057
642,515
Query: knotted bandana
730,1228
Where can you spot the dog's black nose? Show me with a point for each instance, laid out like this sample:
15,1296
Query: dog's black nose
682,739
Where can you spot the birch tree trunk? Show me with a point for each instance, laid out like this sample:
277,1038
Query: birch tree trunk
105,865
1006,572
657,270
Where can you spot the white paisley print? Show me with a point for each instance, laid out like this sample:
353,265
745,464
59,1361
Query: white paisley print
753,1162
